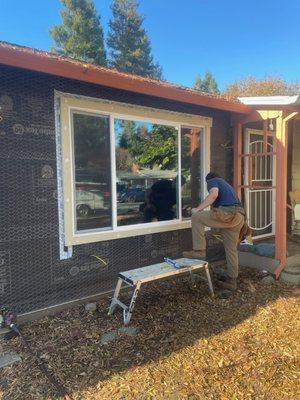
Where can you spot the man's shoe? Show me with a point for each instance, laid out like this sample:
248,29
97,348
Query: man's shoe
228,283
195,254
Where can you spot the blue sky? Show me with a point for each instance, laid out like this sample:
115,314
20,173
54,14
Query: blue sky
230,38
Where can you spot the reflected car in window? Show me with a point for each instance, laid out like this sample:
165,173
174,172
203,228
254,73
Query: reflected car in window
133,195
90,199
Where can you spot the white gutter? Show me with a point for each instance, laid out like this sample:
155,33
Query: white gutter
271,100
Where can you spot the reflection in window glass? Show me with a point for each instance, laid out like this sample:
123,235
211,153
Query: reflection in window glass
190,169
92,171
146,172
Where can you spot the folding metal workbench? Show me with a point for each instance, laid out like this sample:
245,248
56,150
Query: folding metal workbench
135,278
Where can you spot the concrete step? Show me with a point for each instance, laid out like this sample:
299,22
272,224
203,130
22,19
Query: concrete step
291,273
251,260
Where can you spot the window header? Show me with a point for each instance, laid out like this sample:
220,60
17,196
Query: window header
124,109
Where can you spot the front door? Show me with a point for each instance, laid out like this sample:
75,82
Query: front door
259,178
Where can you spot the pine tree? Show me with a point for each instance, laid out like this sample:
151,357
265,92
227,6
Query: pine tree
198,83
129,42
80,34
208,84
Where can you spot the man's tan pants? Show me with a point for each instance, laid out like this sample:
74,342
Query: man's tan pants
229,224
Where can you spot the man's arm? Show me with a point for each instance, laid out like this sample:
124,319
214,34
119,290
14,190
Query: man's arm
208,201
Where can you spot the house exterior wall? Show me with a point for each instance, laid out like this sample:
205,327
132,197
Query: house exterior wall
32,276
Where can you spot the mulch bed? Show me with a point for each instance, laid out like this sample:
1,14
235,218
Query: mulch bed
189,346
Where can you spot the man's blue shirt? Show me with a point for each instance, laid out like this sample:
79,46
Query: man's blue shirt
227,196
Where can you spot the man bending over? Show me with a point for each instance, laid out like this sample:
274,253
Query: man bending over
228,215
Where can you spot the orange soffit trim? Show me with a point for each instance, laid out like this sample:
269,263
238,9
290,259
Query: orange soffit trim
41,61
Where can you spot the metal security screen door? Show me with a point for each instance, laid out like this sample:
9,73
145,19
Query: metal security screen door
259,178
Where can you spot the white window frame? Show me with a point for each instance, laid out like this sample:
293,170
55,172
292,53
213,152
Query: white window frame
115,110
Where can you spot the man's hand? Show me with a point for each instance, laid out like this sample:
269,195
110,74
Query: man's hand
195,210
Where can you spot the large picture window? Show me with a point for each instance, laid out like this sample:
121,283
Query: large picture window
129,171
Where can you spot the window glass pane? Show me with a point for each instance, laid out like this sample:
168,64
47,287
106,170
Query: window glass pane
146,172
190,169
92,171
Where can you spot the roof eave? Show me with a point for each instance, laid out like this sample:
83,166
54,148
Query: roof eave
36,61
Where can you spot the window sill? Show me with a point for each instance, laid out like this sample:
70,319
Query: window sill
128,231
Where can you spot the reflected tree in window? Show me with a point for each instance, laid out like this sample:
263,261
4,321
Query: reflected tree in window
145,154
126,138
159,148
91,143
190,168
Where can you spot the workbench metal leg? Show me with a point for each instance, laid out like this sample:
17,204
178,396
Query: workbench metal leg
128,313
114,302
209,280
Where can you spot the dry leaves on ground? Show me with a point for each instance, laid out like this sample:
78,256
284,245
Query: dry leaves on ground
189,346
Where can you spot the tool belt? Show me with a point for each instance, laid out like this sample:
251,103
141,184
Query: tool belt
228,214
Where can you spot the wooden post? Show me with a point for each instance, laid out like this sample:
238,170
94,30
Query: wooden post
266,127
237,158
281,191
